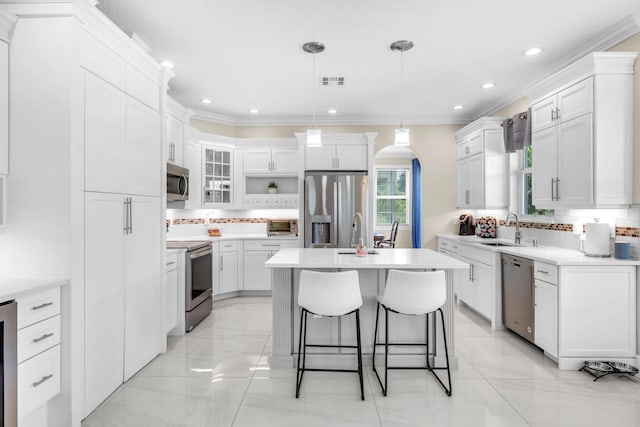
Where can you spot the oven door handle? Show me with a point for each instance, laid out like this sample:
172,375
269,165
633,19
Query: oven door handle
196,255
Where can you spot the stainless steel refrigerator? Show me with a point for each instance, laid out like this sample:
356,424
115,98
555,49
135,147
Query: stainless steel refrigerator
335,209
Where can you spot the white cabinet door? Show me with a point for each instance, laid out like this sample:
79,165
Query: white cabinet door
575,101
194,164
103,296
543,113
175,136
483,285
4,108
104,133
544,152
257,161
320,158
351,157
228,272
143,269
171,300
217,177
476,181
546,317
463,174
575,162
256,275
464,284
284,161
142,154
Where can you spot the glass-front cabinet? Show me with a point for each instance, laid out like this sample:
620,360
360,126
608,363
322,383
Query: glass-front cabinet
217,176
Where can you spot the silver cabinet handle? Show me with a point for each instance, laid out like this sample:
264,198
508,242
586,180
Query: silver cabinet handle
542,271
43,337
552,196
171,263
41,306
466,150
472,278
553,118
557,188
221,263
270,246
126,216
130,215
43,379
557,114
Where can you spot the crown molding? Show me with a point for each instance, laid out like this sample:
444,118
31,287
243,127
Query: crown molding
602,41
479,124
333,121
7,24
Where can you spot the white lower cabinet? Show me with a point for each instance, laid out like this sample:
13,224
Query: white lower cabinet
546,317
38,349
226,267
257,277
171,292
122,290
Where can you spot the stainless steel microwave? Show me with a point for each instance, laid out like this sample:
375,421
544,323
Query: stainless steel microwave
177,183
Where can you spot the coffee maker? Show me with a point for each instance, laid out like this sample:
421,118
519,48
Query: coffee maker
467,225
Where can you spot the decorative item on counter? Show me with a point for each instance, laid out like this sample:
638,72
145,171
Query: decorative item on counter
272,188
214,232
486,227
622,250
361,250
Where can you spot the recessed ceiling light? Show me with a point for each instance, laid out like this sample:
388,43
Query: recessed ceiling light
458,107
205,100
533,51
167,64
254,111
488,85
332,111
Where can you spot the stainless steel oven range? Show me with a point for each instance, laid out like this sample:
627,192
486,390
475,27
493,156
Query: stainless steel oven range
198,283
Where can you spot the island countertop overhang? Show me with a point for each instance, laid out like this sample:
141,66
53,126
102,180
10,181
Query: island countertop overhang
400,258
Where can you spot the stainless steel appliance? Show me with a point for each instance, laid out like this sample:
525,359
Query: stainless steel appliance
467,225
282,227
335,209
9,364
198,284
518,297
177,183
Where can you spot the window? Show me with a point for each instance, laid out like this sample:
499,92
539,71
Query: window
393,195
527,185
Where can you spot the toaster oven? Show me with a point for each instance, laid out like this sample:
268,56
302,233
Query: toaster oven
280,227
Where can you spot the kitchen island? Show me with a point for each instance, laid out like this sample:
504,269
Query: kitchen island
372,270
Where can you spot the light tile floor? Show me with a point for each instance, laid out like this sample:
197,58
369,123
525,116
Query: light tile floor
218,376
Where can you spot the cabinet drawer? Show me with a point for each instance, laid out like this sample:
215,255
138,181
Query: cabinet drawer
38,380
269,245
545,272
228,246
37,338
37,307
448,245
171,262
477,254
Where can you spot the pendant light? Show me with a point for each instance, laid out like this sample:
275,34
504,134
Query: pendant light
314,138
401,134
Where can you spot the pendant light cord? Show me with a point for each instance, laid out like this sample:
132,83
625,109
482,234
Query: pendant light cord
401,89
313,85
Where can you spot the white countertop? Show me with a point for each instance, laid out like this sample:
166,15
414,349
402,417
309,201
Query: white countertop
386,258
16,288
549,254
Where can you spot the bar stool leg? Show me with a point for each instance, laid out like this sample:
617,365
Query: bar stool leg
446,353
375,344
386,351
359,353
301,348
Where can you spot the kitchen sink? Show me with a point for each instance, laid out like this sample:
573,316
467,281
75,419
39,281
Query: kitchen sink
353,252
497,244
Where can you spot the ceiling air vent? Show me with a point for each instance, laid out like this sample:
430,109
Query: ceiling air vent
332,81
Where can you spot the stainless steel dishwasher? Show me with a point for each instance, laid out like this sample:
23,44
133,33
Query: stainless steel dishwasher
518,311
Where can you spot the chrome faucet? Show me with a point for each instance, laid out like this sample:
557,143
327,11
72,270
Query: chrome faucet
355,229
518,234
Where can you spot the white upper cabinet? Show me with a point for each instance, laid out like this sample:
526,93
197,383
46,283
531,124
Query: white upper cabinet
337,157
582,136
122,141
271,161
4,108
481,165
175,137
217,176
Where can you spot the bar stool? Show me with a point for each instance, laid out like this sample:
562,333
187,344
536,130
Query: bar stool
328,294
412,293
